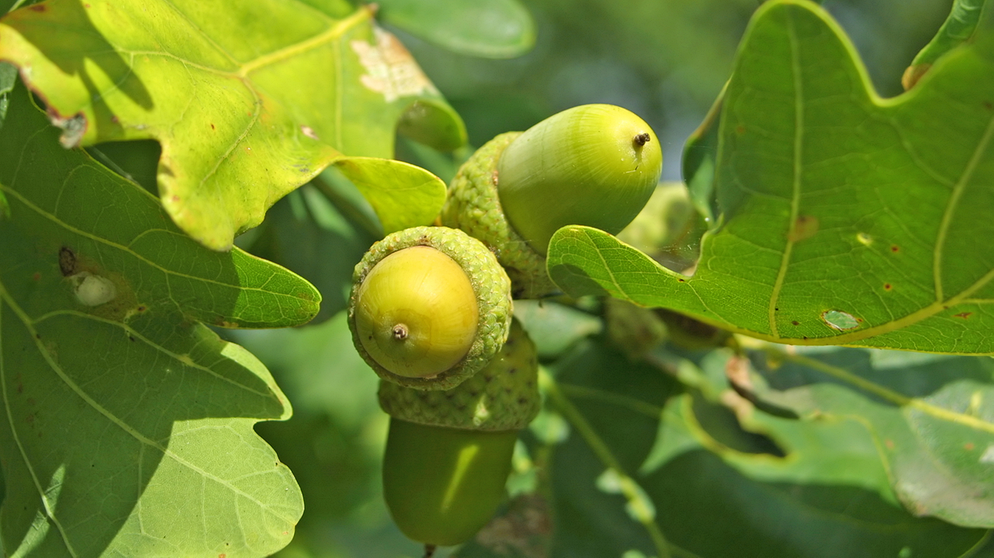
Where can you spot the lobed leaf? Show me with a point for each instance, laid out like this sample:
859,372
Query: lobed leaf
845,219
127,425
248,101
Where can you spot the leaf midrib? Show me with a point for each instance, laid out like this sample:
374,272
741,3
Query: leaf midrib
795,199
885,393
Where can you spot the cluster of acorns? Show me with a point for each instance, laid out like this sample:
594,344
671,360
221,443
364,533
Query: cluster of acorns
431,308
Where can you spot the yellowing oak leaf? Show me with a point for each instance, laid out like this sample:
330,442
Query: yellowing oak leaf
248,100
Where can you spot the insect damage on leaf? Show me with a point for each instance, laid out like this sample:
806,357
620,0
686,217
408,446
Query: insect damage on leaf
73,128
103,292
842,321
391,70
93,290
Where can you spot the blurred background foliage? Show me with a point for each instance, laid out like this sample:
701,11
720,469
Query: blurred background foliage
666,60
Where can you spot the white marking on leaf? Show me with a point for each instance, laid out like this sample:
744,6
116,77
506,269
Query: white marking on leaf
391,70
93,290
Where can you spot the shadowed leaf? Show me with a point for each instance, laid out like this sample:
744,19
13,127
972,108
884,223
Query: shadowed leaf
127,424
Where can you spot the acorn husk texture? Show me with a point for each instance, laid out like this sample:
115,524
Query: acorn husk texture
491,286
503,396
473,205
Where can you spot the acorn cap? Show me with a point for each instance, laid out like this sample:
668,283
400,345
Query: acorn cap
400,320
473,205
502,396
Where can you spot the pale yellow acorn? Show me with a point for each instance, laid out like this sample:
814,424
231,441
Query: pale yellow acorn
430,306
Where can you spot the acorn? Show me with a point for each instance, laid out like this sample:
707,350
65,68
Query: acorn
448,453
430,306
594,165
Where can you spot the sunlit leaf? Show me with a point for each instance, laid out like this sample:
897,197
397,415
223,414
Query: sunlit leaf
248,101
846,219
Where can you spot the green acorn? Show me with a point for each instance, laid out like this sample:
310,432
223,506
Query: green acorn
430,306
448,453
593,165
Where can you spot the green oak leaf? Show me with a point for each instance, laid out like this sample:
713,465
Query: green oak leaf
931,418
846,219
127,424
248,101
487,28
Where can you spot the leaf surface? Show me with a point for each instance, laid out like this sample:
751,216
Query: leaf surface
931,418
845,219
127,424
710,490
248,101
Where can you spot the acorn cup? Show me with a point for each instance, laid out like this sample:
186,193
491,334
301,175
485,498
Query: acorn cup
594,165
448,453
430,306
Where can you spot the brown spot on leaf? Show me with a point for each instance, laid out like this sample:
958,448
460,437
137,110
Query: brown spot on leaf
887,286
963,315
740,129
968,446
67,261
895,248
889,444
38,8
36,276
988,105
795,322
804,228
